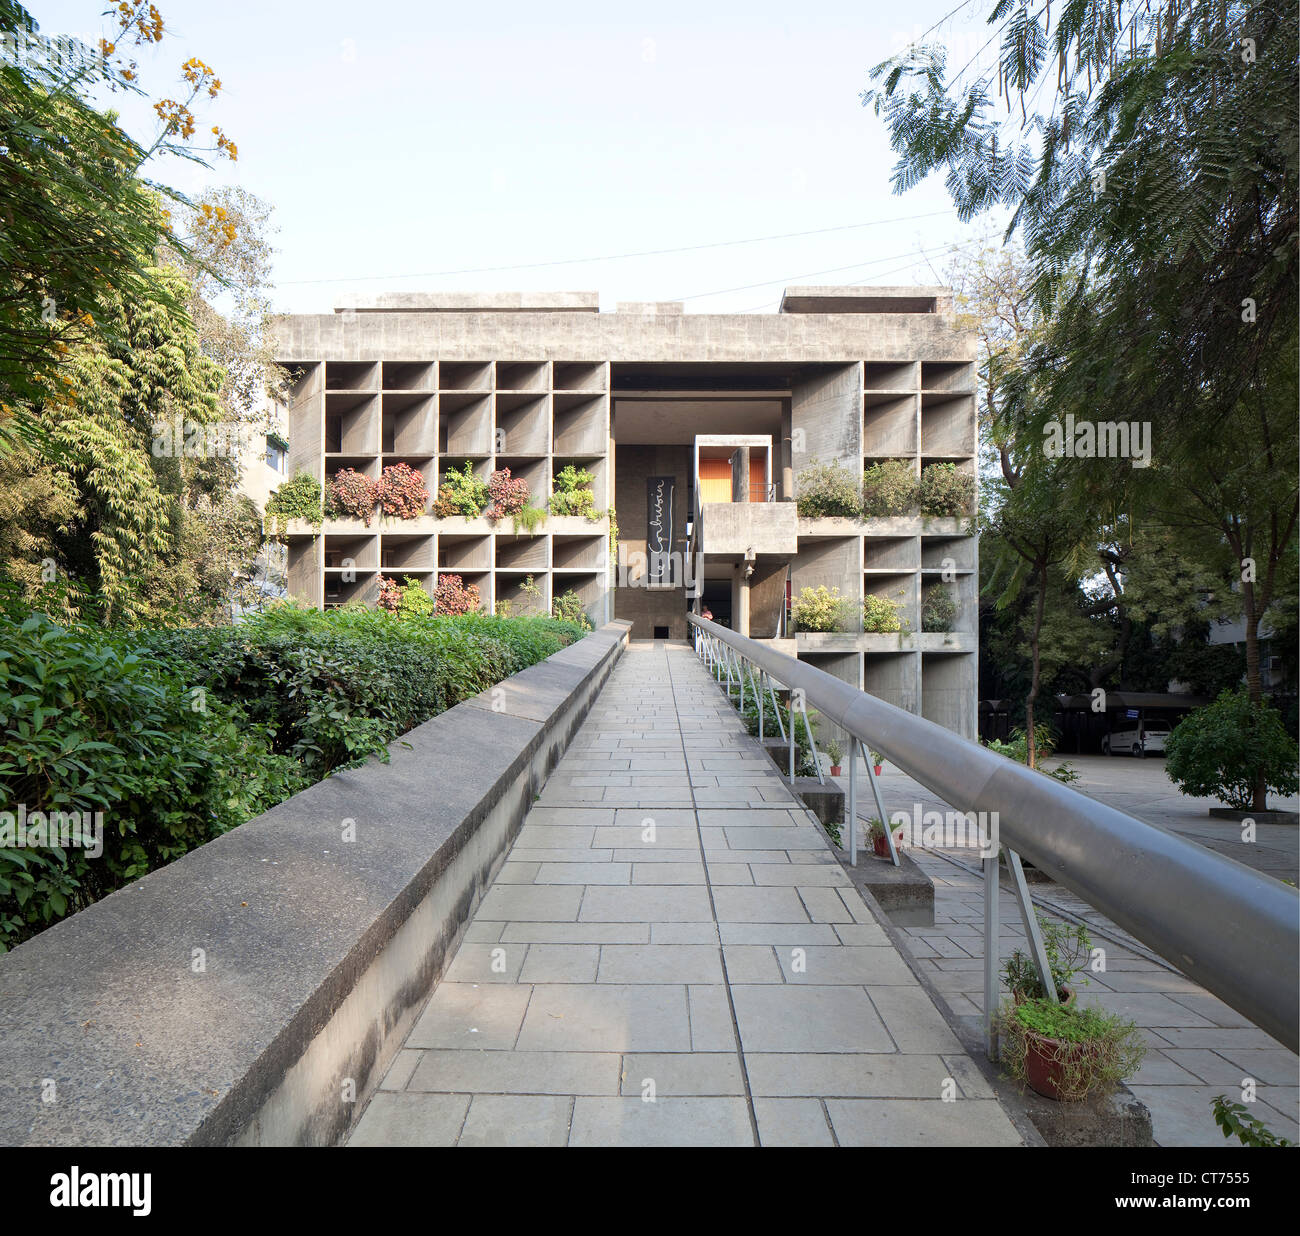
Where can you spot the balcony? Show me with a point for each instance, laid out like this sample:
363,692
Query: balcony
736,514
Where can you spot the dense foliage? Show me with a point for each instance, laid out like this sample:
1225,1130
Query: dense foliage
452,596
823,609
1222,750
889,488
880,615
938,608
946,490
299,497
571,493
402,492
179,735
828,490
461,493
350,494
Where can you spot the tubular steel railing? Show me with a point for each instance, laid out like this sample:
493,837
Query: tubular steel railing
1223,924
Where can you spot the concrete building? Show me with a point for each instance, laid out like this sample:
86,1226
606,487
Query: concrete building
694,429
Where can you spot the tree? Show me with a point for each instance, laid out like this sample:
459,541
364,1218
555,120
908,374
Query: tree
78,223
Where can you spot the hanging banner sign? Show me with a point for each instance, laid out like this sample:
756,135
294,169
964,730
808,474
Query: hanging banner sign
659,528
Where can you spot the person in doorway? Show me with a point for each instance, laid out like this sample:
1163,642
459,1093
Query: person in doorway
706,612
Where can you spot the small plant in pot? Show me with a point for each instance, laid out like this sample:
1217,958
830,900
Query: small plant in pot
1068,947
880,837
1066,1052
836,754
877,762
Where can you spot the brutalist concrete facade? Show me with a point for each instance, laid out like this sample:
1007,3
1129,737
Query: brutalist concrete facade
679,418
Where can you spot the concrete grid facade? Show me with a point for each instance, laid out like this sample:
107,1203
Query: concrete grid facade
716,414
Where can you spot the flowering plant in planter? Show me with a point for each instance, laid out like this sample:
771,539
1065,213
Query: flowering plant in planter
350,493
507,495
454,596
879,834
402,492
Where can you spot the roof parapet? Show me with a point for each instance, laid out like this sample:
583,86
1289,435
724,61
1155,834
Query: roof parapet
867,300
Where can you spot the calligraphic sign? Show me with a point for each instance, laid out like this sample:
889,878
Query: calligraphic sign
659,528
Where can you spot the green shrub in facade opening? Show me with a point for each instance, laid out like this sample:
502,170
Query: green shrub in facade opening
1218,751
938,609
823,609
880,615
828,490
571,493
300,497
179,735
889,488
461,493
407,599
568,607
946,490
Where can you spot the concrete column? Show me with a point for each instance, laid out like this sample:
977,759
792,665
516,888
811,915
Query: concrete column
741,605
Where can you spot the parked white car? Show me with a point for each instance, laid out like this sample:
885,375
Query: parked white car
1139,738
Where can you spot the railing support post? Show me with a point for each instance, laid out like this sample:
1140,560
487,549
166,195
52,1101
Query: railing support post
853,801
1032,933
991,958
880,807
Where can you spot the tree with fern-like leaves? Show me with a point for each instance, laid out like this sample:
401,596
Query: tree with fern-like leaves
1147,154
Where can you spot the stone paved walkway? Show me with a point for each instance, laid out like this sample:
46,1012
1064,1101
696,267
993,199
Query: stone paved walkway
671,956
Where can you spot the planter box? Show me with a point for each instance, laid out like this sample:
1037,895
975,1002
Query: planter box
947,641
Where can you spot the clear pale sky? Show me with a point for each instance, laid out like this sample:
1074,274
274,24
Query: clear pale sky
398,140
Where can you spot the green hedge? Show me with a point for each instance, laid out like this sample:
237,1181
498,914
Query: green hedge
180,735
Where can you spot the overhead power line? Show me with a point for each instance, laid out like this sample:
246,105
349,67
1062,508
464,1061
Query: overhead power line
616,257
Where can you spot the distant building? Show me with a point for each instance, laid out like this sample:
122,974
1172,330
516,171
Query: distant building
695,429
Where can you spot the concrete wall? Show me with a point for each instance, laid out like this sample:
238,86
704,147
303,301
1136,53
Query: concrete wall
255,990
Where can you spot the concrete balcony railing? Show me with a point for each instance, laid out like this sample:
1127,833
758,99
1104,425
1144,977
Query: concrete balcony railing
763,528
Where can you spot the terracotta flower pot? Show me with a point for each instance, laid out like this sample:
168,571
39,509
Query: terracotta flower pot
879,768
835,770
1046,1061
881,845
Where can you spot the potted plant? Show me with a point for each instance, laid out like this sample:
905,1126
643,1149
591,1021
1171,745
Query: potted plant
1068,947
836,753
1065,1052
877,762
879,837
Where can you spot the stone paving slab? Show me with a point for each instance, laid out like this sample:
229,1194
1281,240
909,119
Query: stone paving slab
670,955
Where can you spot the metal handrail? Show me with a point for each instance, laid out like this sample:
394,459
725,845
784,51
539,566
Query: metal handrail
1232,929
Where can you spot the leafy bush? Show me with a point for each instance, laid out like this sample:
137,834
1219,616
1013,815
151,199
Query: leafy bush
571,493
349,493
1219,751
507,495
567,607
829,490
1017,748
1068,947
889,488
461,493
938,609
298,498
528,519
406,600
880,614
1235,1121
946,490
823,609
402,492
453,596
95,725
179,735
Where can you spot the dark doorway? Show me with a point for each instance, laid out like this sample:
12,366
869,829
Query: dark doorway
715,596
661,632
